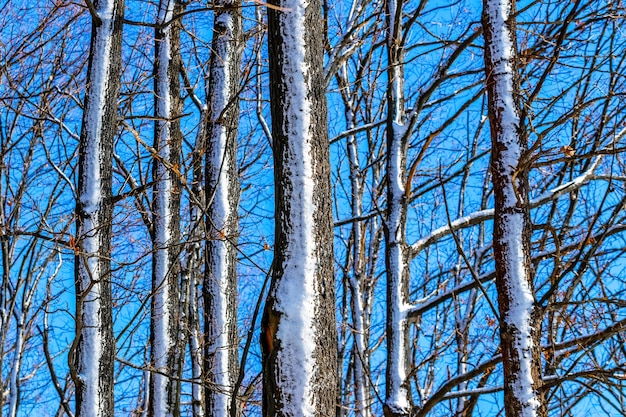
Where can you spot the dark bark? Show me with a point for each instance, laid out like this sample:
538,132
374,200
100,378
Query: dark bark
92,354
300,308
166,214
222,221
520,319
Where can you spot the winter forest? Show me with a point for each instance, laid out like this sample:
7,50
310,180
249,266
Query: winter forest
312,208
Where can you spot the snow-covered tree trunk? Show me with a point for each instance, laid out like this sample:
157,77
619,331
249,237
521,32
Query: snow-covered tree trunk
360,315
195,343
193,267
298,328
165,355
93,352
397,402
14,391
520,319
222,223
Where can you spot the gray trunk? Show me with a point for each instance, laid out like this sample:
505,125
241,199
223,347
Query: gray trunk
92,354
222,220
397,401
166,352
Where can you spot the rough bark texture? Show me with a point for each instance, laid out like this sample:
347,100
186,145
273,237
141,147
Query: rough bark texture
298,327
92,355
222,222
520,318
397,400
166,355
194,263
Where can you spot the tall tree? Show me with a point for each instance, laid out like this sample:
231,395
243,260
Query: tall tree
192,272
358,281
396,247
165,350
298,328
93,352
520,317
222,221
572,72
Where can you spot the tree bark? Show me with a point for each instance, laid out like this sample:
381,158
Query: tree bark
222,221
92,354
165,349
520,319
193,269
298,327
397,399
357,277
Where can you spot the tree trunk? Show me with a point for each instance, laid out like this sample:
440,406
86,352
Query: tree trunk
298,328
397,401
93,352
520,318
357,277
165,352
193,268
222,221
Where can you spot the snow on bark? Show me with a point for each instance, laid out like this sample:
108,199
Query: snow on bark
193,267
223,201
361,386
195,347
519,324
15,368
299,335
360,313
296,297
189,329
397,297
93,350
164,298
396,249
518,318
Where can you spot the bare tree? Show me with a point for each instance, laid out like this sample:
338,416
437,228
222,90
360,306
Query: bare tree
298,329
520,319
93,352
222,221
396,251
451,283
417,91
165,347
